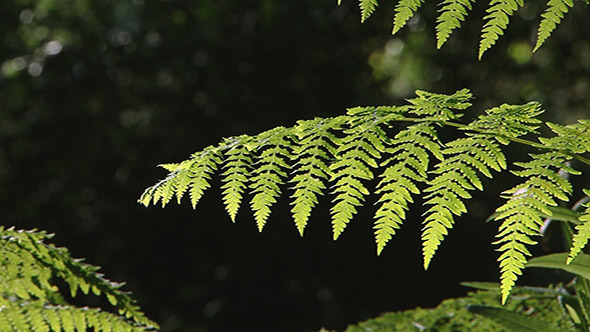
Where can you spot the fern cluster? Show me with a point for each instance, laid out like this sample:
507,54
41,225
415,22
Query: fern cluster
453,12
30,300
400,146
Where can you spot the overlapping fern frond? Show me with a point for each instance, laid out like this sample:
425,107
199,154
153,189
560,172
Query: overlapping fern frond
346,152
453,12
31,302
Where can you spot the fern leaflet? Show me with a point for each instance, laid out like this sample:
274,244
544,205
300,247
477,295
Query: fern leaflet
367,8
452,13
314,151
409,164
582,232
521,215
237,169
551,18
404,10
497,21
267,176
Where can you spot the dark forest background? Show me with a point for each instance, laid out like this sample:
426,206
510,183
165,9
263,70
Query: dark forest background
94,94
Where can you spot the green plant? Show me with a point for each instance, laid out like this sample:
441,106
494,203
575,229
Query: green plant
453,12
30,299
344,152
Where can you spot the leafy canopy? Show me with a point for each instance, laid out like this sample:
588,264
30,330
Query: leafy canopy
453,12
401,147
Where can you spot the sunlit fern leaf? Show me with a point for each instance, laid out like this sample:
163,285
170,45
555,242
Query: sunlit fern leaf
314,150
522,214
456,176
497,21
237,170
452,13
440,107
508,121
574,138
582,232
269,171
404,10
367,8
359,151
556,10
407,166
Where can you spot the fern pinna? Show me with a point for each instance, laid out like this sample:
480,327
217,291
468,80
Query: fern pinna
453,12
400,146
30,301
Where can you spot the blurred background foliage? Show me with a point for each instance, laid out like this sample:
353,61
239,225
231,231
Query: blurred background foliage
94,94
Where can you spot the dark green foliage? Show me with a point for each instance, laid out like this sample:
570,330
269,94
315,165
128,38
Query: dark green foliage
31,301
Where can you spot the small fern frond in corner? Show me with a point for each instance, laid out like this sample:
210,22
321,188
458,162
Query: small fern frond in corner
497,21
452,13
521,215
556,10
359,151
582,232
237,170
269,171
314,151
407,166
367,8
404,10
456,176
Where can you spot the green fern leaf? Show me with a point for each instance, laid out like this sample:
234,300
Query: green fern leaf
456,176
269,172
237,165
439,107
367,8
522,214
497,21
582,232
574,138
358,153
404,10
508,121
408,165
314,151
452,13
551,18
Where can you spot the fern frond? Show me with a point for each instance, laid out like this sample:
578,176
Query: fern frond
574,138
407,166
359,151
456,176
237,170
269,171
582,232
367,8
497,21
556,10
452,13
28,265
522,214
314,151
404,10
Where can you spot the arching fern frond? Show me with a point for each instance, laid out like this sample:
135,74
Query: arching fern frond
497,21
521,215
346,151
556,10
367,8
31,302
452,13
404,10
